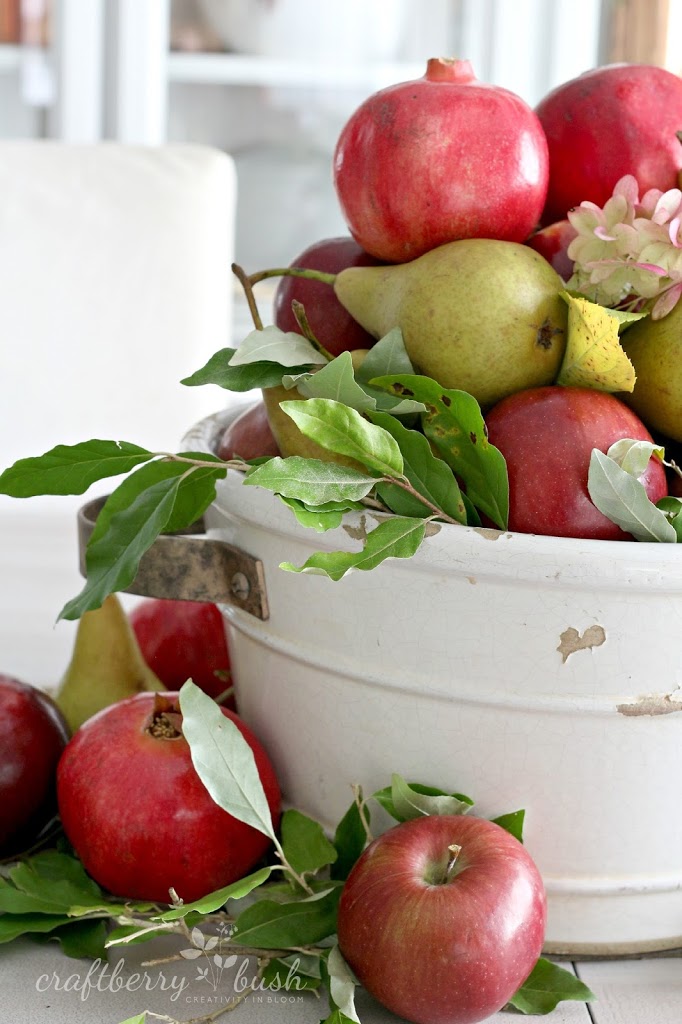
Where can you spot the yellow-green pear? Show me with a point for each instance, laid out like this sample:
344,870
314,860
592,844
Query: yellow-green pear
481,315
289,438
655,350
106,665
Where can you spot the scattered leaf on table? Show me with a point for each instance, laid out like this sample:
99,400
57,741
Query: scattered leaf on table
546,987
271,925
215,900
350,839
414,792
305,845
594,357
512,823
342,984
224,760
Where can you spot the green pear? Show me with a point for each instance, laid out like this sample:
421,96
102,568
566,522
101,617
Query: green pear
289,438
106,665
655,350
480,315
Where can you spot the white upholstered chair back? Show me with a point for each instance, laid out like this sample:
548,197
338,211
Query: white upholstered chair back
114,285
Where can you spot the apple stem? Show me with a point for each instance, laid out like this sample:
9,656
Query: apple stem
307,273
246,283
454,852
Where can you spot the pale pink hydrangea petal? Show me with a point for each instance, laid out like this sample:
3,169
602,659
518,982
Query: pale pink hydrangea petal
649,200
667,206
674,231
628,187
584,219
601,232
666,302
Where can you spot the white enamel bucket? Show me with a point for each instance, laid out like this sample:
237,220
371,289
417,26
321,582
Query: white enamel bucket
526,671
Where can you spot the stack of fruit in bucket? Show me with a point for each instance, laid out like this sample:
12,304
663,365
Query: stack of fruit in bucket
496,346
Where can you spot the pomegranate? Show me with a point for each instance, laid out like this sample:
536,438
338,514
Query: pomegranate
441,158
139,816
614,120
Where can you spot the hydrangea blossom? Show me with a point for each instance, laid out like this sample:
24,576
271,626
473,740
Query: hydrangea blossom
629,254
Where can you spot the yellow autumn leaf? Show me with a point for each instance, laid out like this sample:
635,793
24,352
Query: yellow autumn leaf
594,357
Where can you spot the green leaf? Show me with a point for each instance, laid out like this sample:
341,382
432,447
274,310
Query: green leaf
215,900
13,901
337,382
140,1018
512,823
350,840
224,760
314,518
113,553
454,423
261,374
270,925
71,469
305,845
427,474
410,803
385,797
623,500
388,356
272,345
342,984
342,430
279,975
14,925
634,456
311,481
672,509
335,1017
546,987
82,939
397,537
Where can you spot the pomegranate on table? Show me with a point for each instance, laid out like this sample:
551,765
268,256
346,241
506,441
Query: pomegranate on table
137,813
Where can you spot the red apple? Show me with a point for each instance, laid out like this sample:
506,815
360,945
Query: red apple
444,157
610,121
546,436
331,324
248,435
139,816
552,242
437,944
183,640
33,734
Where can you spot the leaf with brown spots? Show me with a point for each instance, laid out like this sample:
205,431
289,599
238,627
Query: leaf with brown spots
454,424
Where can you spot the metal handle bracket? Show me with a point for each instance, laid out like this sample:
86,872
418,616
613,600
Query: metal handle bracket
186,566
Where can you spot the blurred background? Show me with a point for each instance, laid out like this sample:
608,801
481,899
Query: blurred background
270,82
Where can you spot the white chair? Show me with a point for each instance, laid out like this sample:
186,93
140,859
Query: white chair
115,284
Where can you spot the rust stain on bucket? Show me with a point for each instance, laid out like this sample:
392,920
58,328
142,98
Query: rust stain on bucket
652,704
571,640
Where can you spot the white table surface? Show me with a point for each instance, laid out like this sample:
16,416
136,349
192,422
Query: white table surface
647,991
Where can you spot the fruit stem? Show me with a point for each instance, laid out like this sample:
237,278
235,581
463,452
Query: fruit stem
299,312
246,283
310,275
454,850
